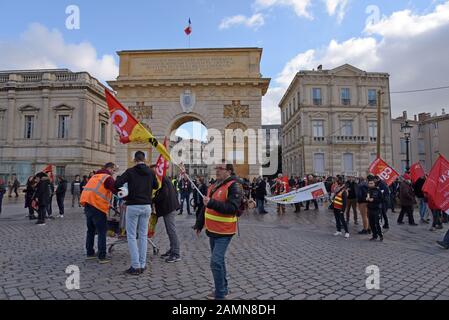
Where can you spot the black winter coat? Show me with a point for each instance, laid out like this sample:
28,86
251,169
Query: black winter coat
42,194
166,199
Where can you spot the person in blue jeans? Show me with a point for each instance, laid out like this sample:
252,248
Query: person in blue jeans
141,181
222,208
445,243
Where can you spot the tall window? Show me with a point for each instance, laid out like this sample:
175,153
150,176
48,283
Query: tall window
421,146
317,99
102,132
318,162
63,127
372,130
29,127
403,146
346,128
348,162
345,97
372,97
318,129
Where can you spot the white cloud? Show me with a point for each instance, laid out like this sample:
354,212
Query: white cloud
255,21
301,7
406,24
337,7
39,47
414,59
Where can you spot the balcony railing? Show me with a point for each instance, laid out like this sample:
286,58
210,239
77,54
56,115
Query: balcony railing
4,78
319,139
372,139
346,102
349,140
317,102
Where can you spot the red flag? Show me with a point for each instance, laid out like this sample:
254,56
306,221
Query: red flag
188,30
49,171
161,165
384,171
128,128
436,187
417,171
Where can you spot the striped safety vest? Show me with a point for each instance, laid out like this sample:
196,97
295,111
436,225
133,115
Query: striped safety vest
216,222
338,201
96,195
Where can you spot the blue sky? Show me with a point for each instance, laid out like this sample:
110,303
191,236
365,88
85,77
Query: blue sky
283,32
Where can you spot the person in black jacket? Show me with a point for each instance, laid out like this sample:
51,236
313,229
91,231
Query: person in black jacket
42,196
29,191
60,195
375,200
385,205
199,205
261,193
417,188
2,192
185,189
352,200
166,203
222,205
141,182
51,187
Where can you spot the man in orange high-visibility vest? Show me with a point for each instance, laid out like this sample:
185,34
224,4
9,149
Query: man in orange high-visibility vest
96,200
222,204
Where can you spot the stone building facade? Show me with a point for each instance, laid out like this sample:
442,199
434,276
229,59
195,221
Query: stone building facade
221,88
53,117
428,139
329,122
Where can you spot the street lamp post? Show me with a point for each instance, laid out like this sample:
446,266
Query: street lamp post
407,130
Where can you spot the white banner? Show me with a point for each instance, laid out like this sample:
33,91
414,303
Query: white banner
314,191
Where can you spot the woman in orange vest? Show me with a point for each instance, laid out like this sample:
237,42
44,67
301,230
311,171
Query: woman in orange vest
339,204
222,204
96,198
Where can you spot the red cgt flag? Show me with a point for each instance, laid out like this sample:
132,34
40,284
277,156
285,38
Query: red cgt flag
436,187
384,171
161,165
417,171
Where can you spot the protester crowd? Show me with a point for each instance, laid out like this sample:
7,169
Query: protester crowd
217,204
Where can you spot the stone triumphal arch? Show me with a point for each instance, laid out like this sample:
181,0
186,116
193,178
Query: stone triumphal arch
221,88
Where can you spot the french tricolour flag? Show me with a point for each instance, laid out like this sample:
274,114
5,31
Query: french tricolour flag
188,30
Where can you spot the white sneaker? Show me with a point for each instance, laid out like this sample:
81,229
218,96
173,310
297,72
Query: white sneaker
61,216
347,236
337,234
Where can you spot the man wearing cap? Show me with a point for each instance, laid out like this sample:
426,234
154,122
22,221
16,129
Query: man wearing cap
96,199
220,217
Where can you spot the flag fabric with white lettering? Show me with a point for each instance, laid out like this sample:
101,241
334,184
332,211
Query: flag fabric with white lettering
436,187
381,169
314,191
